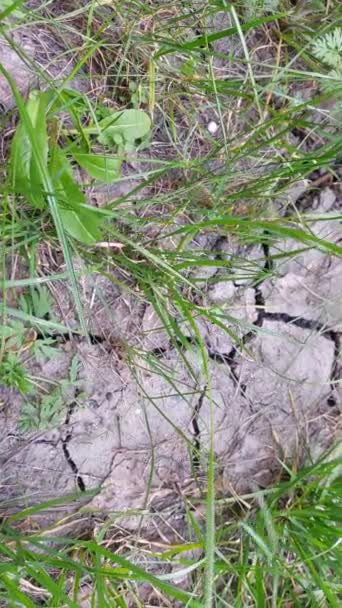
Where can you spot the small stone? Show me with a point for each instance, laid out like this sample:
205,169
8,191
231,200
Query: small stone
212,127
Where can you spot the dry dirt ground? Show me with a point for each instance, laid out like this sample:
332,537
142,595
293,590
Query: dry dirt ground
140,435
136,429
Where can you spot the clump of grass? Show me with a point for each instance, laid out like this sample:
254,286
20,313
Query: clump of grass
284,552
276,547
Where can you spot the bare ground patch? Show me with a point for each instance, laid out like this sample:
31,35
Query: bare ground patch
136,428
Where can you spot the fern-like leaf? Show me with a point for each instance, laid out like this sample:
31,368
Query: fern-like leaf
328,49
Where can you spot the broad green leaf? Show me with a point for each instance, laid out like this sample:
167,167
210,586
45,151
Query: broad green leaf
129,147
80,222
66,190
129,125
103,168
118,139
25,174
50,198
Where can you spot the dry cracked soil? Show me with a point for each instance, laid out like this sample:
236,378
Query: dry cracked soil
138,435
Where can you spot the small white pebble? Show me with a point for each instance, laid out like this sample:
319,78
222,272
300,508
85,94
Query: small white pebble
212,127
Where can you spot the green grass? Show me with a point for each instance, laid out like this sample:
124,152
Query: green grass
276,547
262,71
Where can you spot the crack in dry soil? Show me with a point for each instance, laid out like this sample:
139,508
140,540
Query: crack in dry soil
69,334
301,322
120,456
65,441
197,430
230,358
335,375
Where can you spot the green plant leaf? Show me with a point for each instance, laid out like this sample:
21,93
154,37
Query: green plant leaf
13,374
10,8
25,174
66,190
74,369
82,224
44,349
50,197
103,168
29,418
129,147
52,409
79,221
130,125
38,301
